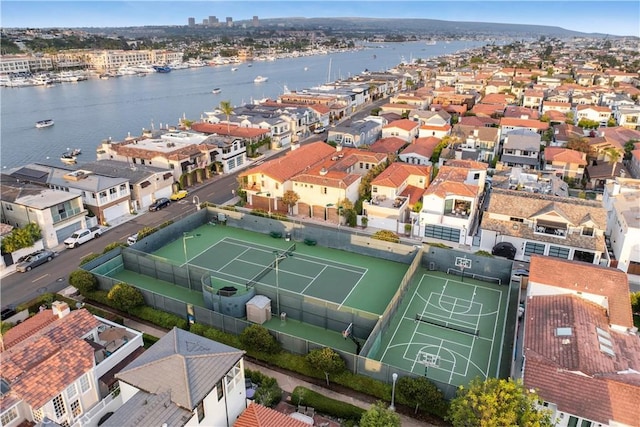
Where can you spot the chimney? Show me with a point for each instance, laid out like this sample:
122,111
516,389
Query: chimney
60,308
339,147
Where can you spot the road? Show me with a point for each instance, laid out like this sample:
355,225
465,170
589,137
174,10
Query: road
52,277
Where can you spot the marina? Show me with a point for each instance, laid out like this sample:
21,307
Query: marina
95,110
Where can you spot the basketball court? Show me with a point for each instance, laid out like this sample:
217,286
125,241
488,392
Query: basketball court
448,328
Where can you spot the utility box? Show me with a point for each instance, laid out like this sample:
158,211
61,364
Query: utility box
259,309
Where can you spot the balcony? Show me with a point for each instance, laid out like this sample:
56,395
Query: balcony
67,214
557,231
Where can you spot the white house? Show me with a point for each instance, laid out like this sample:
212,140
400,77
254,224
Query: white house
182,380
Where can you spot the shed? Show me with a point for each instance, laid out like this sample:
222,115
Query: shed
259,309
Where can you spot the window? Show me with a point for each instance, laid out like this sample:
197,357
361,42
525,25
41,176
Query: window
8,416
534,248
72,390
85,385
514,219
374,189
58,406
559,252
38,415
219,390
112,191
583,256
76,410
200,411
324,190
476,176
573,421
587,231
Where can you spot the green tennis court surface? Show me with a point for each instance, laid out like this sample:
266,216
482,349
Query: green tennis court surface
448,330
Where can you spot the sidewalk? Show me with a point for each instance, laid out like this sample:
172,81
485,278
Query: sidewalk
286,382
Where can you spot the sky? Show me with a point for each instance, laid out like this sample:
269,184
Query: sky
590,16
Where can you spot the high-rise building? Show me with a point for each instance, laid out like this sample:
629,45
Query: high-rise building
213,21
205,22
229,21
255,21
192,22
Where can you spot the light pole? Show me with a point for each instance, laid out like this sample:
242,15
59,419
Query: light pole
393,392
196,201
186,236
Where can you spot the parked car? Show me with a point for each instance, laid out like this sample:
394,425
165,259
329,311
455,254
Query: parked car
34,260
181,194
518,274
7,313
319,129
162,202
82,236
131,240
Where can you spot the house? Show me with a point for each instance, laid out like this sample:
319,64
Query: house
509,124
420,152
391,145
482,141
258,415
561,107
563,133
598,173
146,183
182,380
106,197
621,200
535,221
634,163
58,213
593,113
321,175
394,192
521,148
564,162
405,129
358,133
581,351
628,117
450,203
59,365
532,99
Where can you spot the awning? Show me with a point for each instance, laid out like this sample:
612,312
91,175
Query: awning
167,175
145,184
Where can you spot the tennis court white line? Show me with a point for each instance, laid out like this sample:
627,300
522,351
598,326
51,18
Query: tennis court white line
352,289
313,280
280,270
454,342
504,330
187,261
234,259
451,321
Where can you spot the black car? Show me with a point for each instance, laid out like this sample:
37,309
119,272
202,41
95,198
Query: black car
162,202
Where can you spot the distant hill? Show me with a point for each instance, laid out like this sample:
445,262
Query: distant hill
367,27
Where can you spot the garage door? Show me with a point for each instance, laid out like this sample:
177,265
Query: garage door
116,211
67,231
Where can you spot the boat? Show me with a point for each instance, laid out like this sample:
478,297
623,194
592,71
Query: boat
162,68
216,90
260,79
68,158
234,68
76,151
44,123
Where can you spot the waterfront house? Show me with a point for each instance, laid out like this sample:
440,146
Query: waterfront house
581,350
58,213
58,367
182,380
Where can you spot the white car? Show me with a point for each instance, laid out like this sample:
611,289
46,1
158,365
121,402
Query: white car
131,240
319,129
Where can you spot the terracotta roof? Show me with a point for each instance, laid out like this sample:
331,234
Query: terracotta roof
438,128
487,109
320,108
397,173
586,278
467,164
557,154
231,130
29,327
523,123
391,144
422,146
404,124
450,180
594,108
260,416
498,98
478,121
413,193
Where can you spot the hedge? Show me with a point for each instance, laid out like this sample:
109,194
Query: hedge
304,396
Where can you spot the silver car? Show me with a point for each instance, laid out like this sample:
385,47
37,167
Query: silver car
34,260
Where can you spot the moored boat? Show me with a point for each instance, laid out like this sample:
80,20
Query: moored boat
162,68
44,123
260,79
76,151
216,90
68,158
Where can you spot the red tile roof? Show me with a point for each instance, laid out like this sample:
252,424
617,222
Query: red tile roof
391,144
397,173
30,326
231,130
557,154
524,123
586,278
260,416
404,124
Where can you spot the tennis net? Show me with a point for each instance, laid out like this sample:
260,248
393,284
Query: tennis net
261,274
447,325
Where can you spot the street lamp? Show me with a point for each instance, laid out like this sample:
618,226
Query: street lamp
393,392
186,236
196,201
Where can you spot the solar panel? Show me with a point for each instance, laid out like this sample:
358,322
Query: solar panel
31,173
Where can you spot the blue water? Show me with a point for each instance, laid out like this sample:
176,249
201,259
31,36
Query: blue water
88,112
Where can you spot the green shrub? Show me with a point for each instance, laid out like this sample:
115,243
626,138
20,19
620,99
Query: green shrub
269,393
83,281
125,297
258,338
88,258
386,235
34,305
484,253
149,340
145,231
158,317
325,405
216,335
259,212
112,246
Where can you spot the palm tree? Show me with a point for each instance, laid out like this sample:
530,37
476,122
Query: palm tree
613,155
227,109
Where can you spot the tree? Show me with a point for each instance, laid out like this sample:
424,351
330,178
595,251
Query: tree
635,302
83,281
420,392
290,198
258,338
379,415
496,402
613,155
125,297
227,110
326,360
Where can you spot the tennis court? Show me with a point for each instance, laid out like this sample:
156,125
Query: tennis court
448,329
248,263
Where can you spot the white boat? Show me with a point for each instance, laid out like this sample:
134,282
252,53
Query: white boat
234,68
44,123
76,151
260,79
68,158
216,90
